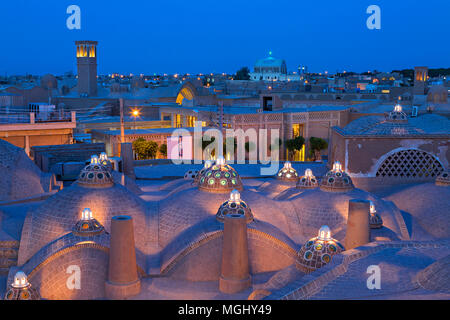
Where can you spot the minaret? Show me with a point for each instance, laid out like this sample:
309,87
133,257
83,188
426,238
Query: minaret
87,67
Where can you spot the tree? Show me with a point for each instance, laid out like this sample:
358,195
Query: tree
145,149
249,146
163,150
295,144
152,149
243,74
315,145
276,146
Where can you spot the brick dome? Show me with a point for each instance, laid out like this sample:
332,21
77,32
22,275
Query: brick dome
58,214
207,165
21,289
318,251
234,205
307,181
443,179
87,226
95,175
336,180
375,221
20,177
287,173
220,178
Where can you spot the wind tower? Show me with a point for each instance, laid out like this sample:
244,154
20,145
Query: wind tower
87,68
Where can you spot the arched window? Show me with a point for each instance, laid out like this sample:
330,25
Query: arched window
410,163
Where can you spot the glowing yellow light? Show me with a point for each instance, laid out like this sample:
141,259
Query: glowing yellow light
220,161
337,166
308,173
20,280
324,233
86,214
372,208
85,242
287,165
135,113
94,159
103,156
235,196
398,108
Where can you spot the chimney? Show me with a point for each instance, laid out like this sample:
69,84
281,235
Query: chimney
358,231
235,275
126,153
123,280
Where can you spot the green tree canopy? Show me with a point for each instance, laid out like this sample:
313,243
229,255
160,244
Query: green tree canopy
145,149
315,145
249,146
242,74
295,144
163,149
276,145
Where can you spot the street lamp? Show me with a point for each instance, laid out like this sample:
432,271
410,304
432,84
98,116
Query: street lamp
135,113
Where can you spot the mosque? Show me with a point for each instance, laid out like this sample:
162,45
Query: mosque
218,232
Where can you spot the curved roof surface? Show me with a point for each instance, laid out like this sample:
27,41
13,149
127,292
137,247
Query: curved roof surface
20,177
269,62
379,125
58,214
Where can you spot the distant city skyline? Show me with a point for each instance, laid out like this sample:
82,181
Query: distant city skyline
182,37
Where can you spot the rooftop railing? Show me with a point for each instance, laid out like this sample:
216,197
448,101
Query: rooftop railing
37,117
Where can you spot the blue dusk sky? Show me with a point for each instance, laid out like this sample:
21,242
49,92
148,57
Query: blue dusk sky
197,36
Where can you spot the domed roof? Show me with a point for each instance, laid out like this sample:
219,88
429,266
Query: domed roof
397,115
58,214
104,160
307,181
20,177
396,123
318,251
95,175
20,289
443,179
287,173
375,221
190,175
336,180
87,226
234,206
436,276
426,203
220,178
208,164
270,62
116,176
316,207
